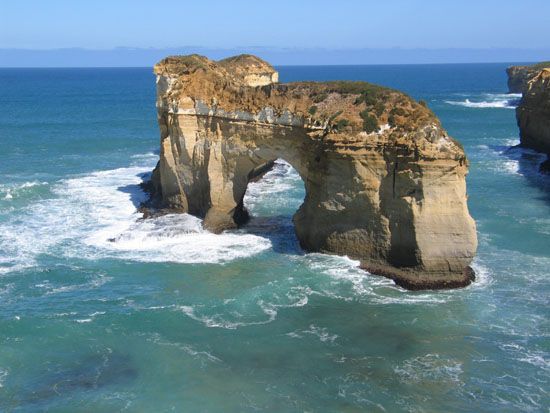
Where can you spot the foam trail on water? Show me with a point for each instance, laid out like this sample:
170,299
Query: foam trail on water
430,368
489,100
3,375
347,281
12,191
221,321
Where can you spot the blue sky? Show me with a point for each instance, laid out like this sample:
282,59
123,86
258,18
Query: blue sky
102,24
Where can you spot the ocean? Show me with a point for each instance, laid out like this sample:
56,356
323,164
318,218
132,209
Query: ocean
101,311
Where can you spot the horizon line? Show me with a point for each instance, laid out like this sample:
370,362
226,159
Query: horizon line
286,65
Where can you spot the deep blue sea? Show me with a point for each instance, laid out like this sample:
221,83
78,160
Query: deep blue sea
171,318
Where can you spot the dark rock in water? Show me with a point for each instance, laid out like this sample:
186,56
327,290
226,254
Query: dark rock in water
414,282
545,166
257,173
89,373
154,206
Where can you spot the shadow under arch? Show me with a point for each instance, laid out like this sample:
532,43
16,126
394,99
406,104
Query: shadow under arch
272,197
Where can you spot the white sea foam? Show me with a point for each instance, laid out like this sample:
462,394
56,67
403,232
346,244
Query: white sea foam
3,374
430,368
511,142
221,320
145,156
365,286
94,216
6,289
537,359
281,179
489,100
320,332
482,274
95,281
175,238
512,159
201,355
11,191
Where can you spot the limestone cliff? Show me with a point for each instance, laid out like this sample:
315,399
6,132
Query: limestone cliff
518,76
384,182
533,113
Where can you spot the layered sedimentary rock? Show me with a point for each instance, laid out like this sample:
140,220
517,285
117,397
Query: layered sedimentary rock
518,76
384,182
533,115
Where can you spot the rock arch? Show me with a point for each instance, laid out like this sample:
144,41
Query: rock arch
384,182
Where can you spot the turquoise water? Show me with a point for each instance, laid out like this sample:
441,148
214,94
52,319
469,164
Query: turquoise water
102,312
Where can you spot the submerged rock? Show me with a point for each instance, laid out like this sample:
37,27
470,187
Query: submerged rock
384,182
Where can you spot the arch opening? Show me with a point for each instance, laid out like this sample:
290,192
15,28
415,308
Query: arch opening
270,202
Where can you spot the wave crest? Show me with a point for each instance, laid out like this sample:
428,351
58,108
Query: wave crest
489,101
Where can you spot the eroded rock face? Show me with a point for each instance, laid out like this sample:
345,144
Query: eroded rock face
384,182
518,76
533,113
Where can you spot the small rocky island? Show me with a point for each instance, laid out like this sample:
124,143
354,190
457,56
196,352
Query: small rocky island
384,182
533,111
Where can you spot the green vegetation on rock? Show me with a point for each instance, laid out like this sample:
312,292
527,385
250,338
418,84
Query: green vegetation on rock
370,123
342,124
318,98
541,65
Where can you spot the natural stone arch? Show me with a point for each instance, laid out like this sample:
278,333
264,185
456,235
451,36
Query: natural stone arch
384,182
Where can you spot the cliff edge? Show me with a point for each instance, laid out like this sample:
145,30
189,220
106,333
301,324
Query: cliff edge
384,182
518,76
533,115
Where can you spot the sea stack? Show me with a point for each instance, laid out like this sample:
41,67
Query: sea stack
385,183
533,115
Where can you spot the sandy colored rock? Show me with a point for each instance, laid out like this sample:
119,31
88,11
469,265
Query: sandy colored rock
384,182
519,76
533,113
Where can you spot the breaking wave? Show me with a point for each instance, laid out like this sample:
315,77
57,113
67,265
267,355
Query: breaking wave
13,191
489,100
94,216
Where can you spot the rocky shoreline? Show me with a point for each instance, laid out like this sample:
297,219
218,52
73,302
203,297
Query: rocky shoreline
533,111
